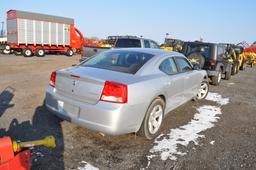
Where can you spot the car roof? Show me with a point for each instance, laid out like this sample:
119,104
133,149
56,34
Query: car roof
197,42
153,51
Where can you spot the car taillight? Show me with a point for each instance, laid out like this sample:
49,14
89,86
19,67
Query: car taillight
53,79
114,92
212,62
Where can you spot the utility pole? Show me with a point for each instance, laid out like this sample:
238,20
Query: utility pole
2,30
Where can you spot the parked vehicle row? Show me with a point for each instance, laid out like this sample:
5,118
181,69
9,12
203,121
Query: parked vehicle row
124,90
220,60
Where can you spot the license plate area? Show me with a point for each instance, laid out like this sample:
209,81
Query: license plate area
68,109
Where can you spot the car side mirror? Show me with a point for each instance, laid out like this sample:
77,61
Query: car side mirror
196,66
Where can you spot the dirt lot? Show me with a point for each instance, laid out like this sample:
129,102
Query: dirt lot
230,144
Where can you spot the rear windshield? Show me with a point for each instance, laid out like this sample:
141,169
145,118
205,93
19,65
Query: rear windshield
128,43
204,49
120,61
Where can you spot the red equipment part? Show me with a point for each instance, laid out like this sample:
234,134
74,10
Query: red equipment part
250,49
10,161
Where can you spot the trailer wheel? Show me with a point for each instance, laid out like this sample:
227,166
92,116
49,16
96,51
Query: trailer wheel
27,52
17,53
6,51
70,52
40,52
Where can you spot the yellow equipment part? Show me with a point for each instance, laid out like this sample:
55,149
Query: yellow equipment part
230,60
48,141
167,48
250,57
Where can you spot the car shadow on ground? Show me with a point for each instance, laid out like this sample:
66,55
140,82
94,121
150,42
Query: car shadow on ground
43,124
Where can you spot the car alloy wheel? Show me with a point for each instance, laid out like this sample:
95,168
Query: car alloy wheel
155,119
203,91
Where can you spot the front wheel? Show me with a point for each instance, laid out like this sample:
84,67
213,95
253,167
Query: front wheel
228,74
203,91
70,52
153,119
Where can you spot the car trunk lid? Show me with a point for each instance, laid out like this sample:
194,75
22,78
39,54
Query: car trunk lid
85,84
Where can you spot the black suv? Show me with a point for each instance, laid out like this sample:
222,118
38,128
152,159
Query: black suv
210,57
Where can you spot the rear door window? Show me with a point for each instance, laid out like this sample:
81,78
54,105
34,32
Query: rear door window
128,43
183,64
120,61
168,66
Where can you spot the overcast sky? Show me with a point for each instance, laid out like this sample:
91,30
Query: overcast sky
213,20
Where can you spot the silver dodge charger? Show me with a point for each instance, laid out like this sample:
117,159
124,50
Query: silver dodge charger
125,90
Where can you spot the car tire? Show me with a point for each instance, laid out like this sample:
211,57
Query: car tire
228,74
233,71
40,52
27,52
70,52
216,79
203,91
147,129
237,68
242,66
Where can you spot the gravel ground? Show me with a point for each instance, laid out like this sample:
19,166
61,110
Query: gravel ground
230,144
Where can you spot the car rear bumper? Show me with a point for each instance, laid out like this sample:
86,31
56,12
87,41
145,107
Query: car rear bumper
212,73
108,118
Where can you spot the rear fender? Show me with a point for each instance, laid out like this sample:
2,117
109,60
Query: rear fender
220,66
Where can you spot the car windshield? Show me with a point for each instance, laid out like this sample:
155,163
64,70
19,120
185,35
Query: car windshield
204,49
120,61
127,43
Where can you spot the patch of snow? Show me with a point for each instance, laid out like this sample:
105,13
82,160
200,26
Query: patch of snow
212,142
168,146
217,98
87,166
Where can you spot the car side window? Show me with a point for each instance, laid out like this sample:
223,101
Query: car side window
146,44
183,64
153,44
168,66
221,51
